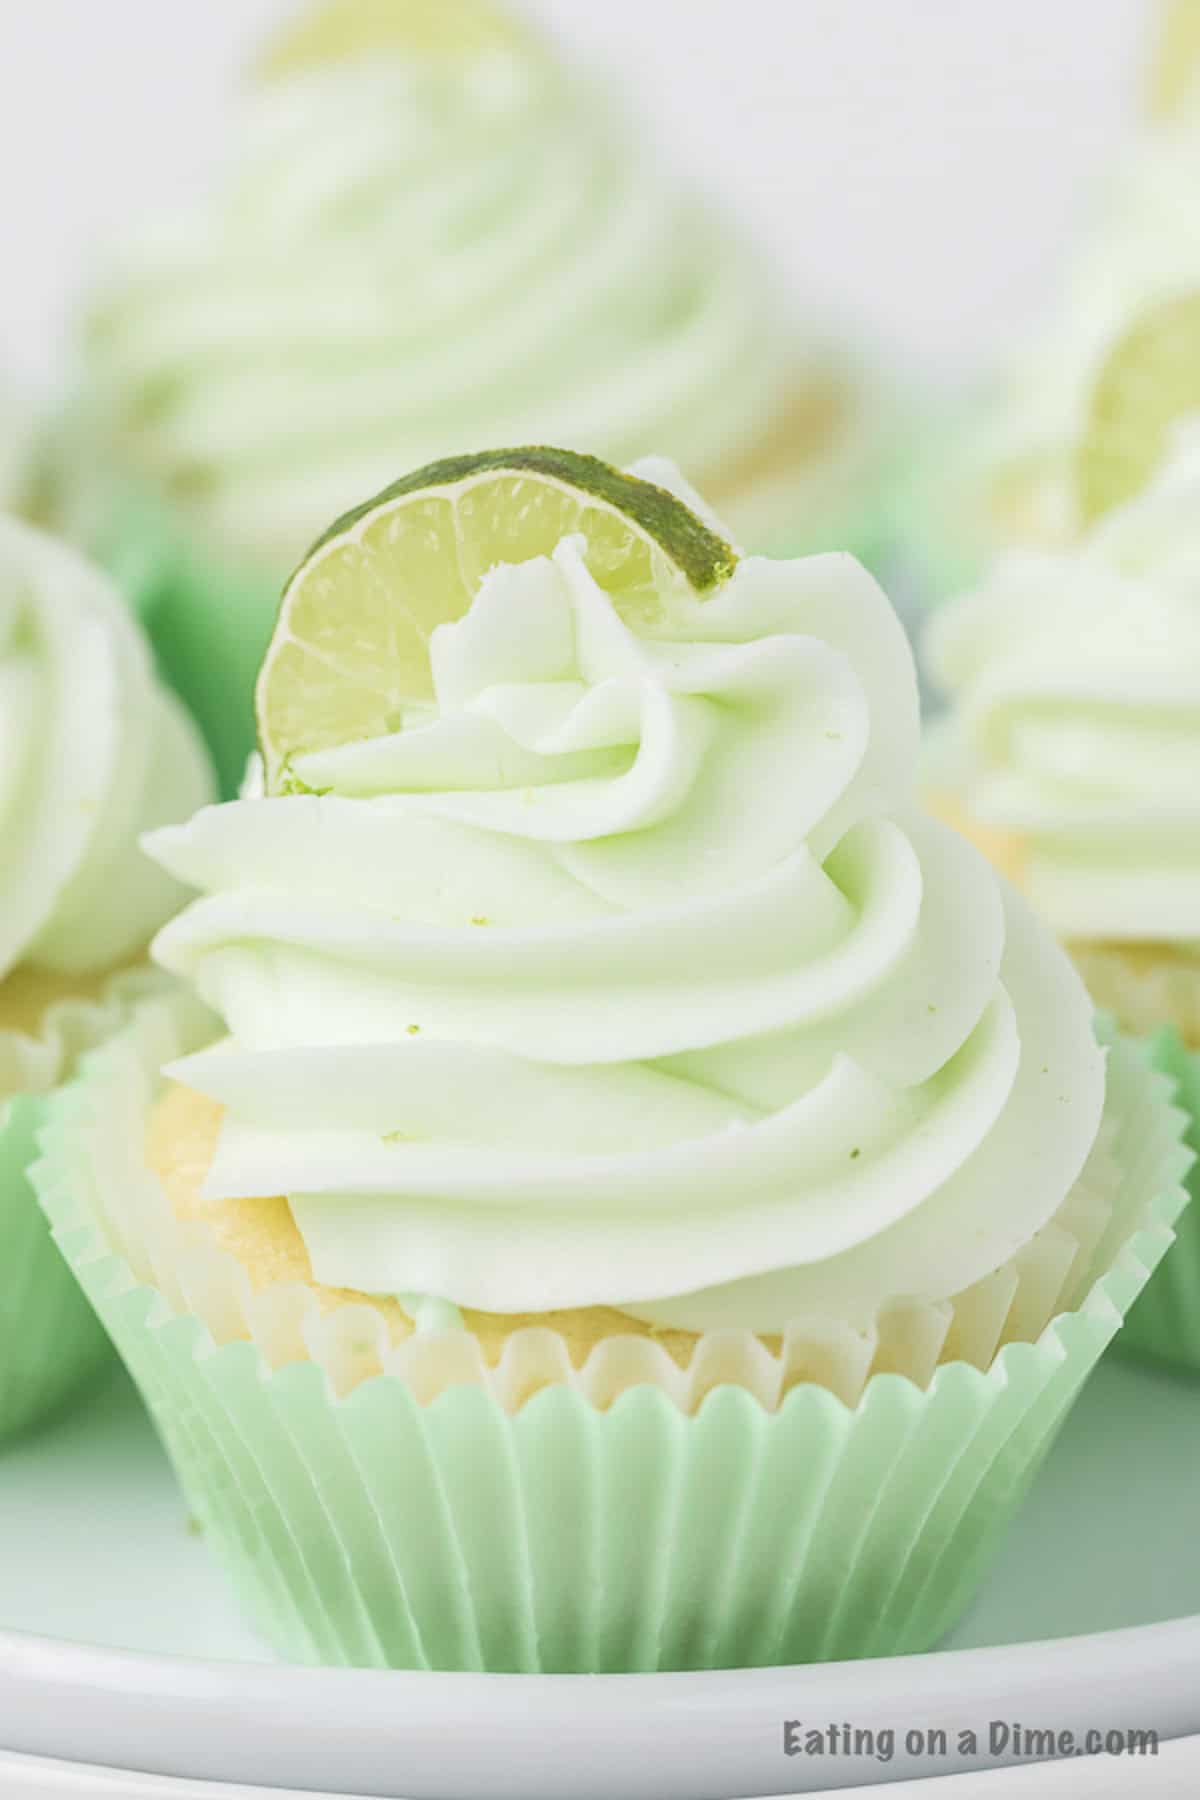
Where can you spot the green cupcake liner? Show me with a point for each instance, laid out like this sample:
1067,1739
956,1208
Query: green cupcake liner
52,1346
209,620
931,551
566,1527
1164,1324
51,1343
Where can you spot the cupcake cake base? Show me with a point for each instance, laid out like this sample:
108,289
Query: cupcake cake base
430,1504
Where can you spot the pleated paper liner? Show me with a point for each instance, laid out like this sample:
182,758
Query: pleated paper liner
51,1343
209,618
411,1506
1146,993
938,537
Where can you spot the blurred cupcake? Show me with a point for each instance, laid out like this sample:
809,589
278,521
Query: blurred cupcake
16,449
94,751
430,232
705,1192
1002,473
1073,758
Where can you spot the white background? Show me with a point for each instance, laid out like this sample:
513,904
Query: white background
918,165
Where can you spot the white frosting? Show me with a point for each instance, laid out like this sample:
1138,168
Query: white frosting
1075,678
410,256
630,975
93,751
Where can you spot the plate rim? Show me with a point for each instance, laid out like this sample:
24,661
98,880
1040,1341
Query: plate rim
93,1704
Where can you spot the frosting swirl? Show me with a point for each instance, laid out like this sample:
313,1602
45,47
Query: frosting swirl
93,751
628,974
1074,677
411,253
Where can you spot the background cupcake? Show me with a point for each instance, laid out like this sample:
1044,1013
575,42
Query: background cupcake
16,449
430,232
1003,473
699,1211
1072,756
94,751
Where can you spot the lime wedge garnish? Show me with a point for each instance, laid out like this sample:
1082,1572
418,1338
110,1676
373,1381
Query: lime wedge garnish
1150,381
1176,60
350,652
341,29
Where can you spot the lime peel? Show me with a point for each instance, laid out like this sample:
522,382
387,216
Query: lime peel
1150,381
350,651
1176,60
341,30
701,556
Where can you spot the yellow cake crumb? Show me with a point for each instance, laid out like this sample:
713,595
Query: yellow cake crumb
1144,984
27,994
816,414
1005,850
262,1235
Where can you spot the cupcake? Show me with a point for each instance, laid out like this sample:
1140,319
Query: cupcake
16,449
619,1188
430,232
1173,81
1073,678
1001,475
94,752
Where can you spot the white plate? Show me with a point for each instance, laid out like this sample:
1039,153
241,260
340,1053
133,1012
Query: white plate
137,1658
1173,1775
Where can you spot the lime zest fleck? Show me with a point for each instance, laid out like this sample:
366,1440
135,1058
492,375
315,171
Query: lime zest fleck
290,783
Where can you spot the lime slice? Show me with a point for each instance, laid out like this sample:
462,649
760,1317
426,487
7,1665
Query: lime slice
1150,381
1176,61
350,652
342,29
